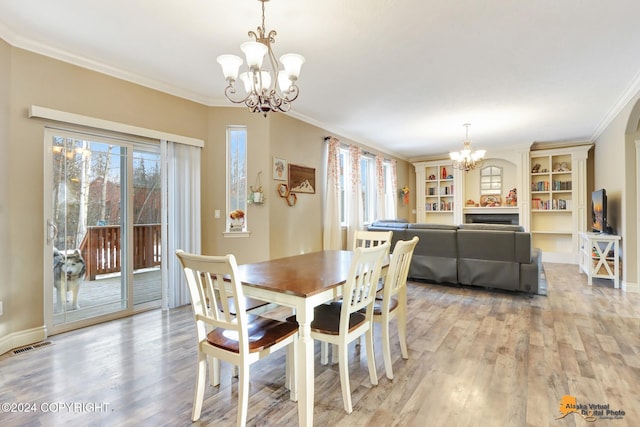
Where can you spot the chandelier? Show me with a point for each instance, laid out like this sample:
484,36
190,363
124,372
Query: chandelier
466,159
264,94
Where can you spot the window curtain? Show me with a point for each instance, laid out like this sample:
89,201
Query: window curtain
180,216
356,211
332,233
381,199
393,199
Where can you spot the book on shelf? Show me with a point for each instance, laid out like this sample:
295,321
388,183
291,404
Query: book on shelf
561,185
540,186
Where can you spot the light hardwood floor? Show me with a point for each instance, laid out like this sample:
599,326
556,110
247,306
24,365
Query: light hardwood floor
477,358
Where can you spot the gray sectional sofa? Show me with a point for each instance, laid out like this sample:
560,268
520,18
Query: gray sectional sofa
487,255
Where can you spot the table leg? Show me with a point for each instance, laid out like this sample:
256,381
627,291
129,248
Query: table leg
306,376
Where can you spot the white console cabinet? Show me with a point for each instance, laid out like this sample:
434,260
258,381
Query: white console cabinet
599,256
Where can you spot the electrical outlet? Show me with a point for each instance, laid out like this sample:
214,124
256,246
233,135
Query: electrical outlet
216,214
1,309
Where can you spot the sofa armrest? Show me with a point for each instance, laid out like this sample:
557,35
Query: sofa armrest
530,273
524,248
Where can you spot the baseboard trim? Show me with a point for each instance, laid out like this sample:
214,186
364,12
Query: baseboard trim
630,287
22,338
559,257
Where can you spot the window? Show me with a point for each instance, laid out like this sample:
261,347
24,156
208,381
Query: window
344,155
491,180
368,179
368,189
390,195
236,177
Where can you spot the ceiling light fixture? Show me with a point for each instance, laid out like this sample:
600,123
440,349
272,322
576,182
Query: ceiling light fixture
264,94
466,159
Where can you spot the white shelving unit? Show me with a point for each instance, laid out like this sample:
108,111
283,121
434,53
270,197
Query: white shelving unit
558,203
599,257
438,198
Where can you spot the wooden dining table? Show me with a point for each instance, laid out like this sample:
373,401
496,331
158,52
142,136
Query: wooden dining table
301,282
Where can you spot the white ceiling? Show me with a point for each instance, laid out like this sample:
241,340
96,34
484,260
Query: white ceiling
401,76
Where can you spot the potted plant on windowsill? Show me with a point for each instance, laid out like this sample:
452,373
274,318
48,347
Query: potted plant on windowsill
237,220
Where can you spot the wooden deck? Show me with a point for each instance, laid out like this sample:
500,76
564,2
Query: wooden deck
102,296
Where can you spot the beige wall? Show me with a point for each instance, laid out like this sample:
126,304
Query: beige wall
296,229
5,289
29,79
38,80
616,170
246,249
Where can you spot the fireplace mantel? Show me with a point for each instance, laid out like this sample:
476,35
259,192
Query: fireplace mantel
495,210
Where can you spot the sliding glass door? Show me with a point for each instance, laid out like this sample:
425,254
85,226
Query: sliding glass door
103,228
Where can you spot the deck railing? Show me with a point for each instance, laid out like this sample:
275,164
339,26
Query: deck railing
101,249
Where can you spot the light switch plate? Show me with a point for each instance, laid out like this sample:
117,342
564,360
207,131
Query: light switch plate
1,309
216,214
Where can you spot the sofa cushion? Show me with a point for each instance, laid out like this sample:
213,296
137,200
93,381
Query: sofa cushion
492,274
432,226
434,268
379,225
436,254
487,245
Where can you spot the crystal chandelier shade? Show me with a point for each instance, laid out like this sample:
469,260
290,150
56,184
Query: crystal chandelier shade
268,88
467,159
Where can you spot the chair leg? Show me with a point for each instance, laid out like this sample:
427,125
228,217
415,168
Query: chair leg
324,352
402,332
371,361
386,348
243,394
214,371
292,371
343,361
198,396
334,354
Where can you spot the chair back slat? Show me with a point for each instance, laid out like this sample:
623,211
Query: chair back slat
367,239
360,288
212,281
396,279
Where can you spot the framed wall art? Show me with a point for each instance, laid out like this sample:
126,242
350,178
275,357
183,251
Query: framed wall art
279,169
302,179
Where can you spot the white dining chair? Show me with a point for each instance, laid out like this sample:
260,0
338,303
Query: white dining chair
366,238
361,239
394,300
238,338
342,322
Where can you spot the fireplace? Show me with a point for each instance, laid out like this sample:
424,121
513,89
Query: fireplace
491,218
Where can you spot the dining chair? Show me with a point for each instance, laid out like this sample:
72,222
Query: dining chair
238,338
361,239
341,322
365,238
394,300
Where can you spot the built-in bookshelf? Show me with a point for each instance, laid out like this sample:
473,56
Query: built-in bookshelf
558,201
437,186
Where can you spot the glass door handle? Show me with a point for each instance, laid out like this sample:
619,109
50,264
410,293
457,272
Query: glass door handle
52,231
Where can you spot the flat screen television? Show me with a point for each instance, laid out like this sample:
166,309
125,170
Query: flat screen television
599,211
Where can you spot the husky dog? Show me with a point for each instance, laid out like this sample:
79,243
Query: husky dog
68,273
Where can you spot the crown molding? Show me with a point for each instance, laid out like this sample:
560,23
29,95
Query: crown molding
21,42
632,91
